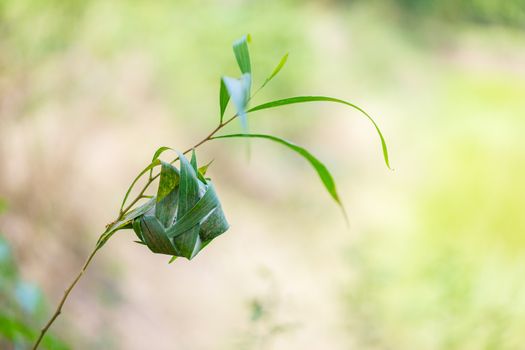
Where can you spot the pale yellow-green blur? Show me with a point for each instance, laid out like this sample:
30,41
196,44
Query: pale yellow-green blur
433,257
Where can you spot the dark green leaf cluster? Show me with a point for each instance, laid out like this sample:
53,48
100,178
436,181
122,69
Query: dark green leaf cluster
185,215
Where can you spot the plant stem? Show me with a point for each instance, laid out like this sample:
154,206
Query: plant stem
151,179
120,216
63,300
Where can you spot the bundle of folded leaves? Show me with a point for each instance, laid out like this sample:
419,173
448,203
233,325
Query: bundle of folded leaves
186,214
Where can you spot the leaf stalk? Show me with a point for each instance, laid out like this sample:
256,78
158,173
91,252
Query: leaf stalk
122,212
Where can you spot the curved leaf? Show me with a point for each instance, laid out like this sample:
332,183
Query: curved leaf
169,179
152,165
155,236
194,216
239,91
242,54
159,151
125,221
303,99
167,194
187,242
319,167
157,154
276,70
224,98
193,161
203,169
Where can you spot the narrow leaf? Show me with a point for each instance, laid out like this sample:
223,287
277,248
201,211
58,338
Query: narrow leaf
157,154
187,242
189,187
138,230
224,98
276,70
144,208
167,194
125,221
192,217
155,236
169,179
303,99
203,169
193,160
159,151
214,225
319,167
152,165
239,91
242,54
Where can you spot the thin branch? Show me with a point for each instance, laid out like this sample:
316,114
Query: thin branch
120,216
63,300
151,179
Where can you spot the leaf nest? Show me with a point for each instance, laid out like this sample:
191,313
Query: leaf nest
184,216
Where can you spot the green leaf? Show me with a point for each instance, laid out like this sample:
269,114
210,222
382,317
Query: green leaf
203,169
167,194
199,215
303,99
276,70
169,179
155,236
193,160
4,206
198,212
239,91
189,186
12,328
187,242
242,53
126,221
214,225
138,231
157,154
152,165
135,213
159,151
224,98
319,167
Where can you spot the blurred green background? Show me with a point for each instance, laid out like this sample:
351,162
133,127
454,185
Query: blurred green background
433,258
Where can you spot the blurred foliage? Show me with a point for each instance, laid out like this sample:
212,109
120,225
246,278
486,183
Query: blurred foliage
448,276
22,307
490,12
446,273
3,205
265,324
508,12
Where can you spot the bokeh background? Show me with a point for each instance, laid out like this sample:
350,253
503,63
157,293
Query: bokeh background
433,255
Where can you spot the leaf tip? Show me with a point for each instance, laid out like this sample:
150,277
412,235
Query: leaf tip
345,215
